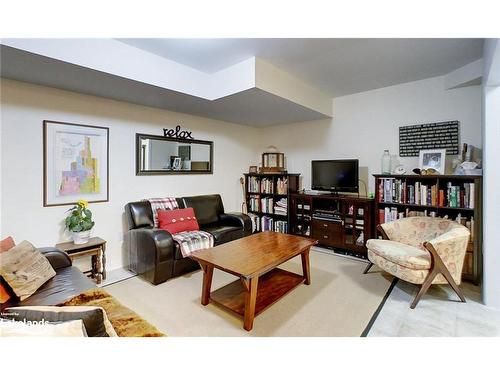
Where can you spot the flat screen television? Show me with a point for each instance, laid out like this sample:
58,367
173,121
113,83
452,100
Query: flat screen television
335,175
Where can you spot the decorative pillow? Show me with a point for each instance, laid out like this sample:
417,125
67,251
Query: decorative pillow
9,328
7,244
25,269
94,318
175,221
4,291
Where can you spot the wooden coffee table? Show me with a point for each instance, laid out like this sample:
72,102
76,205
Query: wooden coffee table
254,259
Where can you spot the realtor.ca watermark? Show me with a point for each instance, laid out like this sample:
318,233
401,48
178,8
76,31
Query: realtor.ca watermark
11,317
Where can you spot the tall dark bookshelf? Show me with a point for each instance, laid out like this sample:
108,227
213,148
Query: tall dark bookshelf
263,195
472,268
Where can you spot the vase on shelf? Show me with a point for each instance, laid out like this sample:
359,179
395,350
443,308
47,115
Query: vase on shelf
80,238
394,163
386,162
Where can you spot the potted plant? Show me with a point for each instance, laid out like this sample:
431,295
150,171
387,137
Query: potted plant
79,222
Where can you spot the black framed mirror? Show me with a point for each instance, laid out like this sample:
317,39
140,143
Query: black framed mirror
163,155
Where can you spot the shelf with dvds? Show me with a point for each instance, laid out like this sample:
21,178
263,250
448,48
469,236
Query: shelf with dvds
455,197
267,196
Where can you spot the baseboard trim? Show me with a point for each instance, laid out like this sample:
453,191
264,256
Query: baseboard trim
116,276
379,308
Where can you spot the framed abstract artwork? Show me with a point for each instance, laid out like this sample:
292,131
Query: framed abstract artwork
75,163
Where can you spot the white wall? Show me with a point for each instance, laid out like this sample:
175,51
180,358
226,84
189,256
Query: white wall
365,124
25,106
491,180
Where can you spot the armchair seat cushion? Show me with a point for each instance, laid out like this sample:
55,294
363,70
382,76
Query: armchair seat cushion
401,272
222,233
401,254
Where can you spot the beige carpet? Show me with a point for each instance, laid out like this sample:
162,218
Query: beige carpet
339,302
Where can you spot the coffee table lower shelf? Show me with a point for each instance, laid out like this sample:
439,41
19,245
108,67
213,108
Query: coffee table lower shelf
272,286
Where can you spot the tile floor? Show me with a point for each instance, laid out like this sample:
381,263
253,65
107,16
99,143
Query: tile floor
439,313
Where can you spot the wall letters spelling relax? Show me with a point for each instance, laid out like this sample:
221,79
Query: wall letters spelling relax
177,133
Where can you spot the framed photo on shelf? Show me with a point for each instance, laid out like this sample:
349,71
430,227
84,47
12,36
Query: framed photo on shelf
176,165
435,159
75,163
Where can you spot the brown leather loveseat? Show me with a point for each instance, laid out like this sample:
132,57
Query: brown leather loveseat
155,256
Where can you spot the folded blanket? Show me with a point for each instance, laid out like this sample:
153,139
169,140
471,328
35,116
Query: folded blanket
162,204
193,240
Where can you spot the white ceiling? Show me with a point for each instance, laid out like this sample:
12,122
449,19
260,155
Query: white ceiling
336,66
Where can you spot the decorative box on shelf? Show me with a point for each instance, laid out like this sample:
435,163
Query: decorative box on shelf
273,162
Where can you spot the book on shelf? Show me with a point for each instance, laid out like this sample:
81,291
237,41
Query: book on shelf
388,214
394,190
281,226
255,222
267,205
266,185
266,223
254,203
281,207
253,184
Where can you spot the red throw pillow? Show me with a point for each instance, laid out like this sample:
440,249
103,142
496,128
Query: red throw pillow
175,221
5,245
4,293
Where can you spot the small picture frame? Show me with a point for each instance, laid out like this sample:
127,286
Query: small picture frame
435,159
253,169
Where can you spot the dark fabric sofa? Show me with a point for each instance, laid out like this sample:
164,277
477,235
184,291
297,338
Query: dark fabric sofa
68,282
152,252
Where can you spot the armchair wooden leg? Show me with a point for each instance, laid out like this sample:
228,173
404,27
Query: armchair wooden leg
368,268
453,284
423,289
438,267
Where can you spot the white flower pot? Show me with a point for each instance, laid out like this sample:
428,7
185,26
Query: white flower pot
81,237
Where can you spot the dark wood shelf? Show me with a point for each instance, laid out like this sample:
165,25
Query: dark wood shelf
272,286
271,174
455,208
268,194
285,217
428,177
423,206
409,205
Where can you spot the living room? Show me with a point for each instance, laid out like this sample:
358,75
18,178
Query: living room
304,113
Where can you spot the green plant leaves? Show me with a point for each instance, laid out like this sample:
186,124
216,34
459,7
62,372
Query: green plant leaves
79,220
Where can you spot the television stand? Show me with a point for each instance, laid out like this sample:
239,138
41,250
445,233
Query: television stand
342,223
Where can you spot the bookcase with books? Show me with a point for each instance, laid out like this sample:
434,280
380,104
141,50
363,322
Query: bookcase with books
267,196
455,197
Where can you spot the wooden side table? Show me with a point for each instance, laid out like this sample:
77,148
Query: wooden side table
96,248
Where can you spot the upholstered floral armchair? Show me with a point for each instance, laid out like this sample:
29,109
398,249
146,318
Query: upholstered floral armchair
421,250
